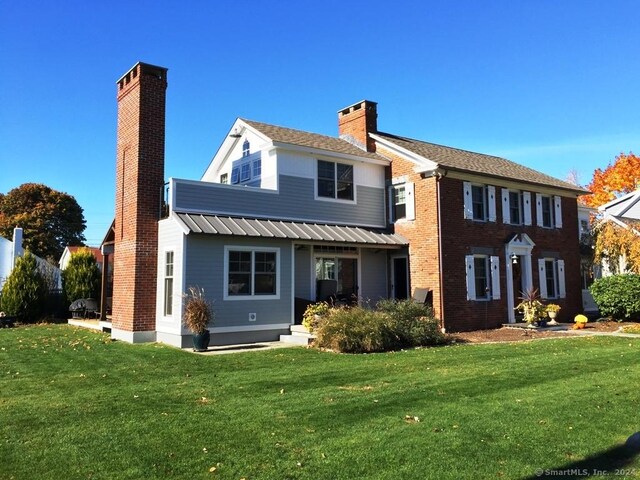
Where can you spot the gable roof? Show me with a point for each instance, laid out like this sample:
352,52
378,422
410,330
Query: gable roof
625,206
466,161
311,140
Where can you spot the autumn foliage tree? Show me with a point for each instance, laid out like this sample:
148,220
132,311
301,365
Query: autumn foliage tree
50,219
619,246
620,177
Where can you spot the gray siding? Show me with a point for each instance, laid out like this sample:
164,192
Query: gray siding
294,200
205,269
373,275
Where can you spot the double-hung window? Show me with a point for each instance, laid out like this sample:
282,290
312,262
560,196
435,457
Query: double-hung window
168,283
551,277
548,211
335,180
224,178
246,148
479,202
401,202
483,277
251,272
516,207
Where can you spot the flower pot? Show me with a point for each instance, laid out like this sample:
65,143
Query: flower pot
542,323
552,315
579,326
201,341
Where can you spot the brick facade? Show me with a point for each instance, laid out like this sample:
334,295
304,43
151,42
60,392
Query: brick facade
441,246
139,184
460,236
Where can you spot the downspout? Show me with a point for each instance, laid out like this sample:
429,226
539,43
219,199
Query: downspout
439,175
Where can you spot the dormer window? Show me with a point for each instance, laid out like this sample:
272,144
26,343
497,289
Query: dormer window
246,148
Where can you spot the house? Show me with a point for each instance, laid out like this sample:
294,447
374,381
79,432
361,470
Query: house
11,250
68,251
625,213
282,218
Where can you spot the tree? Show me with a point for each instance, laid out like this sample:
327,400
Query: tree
50,219
81,278
620,177
615,244
24,292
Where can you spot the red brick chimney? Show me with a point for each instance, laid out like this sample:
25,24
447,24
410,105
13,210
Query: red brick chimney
139,184
357,121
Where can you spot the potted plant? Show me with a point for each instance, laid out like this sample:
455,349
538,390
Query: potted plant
552,310
580,322
531,307
197,316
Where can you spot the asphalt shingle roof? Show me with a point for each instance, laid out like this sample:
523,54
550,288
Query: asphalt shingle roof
446,157
463,160
311,140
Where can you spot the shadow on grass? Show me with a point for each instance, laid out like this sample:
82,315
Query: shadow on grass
612,462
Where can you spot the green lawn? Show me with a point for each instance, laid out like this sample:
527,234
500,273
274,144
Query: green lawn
74,404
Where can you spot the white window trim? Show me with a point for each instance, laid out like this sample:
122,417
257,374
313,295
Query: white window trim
334,199
489,195
164,278
542,278
253,249
525,206
409,202
553,210
493,271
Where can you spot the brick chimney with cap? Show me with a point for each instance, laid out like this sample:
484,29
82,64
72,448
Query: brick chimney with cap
357,121
139,184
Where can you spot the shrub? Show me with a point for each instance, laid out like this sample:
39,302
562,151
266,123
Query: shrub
313,315
618,296
352,330
24,291
391,326
81,278
413,323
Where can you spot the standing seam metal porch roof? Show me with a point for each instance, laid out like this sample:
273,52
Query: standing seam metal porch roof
254,227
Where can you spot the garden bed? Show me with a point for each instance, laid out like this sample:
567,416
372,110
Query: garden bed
508,334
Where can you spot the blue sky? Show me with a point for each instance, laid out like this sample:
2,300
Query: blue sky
546,83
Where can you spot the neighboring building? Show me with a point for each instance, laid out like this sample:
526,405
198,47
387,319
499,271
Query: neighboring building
625,213
10,250
68,251
283,217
